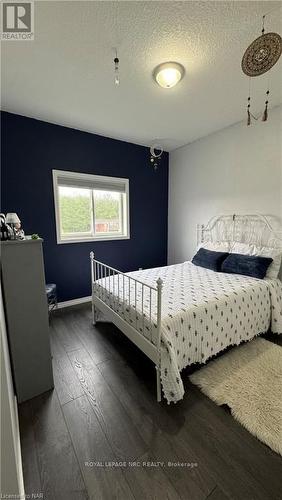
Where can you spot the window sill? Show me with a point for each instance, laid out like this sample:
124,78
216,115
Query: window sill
87,240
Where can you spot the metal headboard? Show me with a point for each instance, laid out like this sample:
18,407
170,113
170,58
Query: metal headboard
246,228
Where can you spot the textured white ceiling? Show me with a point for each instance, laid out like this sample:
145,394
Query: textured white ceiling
65,75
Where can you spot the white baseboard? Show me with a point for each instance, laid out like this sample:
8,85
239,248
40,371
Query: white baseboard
74,302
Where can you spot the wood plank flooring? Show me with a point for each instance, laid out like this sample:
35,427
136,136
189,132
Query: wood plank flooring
102,435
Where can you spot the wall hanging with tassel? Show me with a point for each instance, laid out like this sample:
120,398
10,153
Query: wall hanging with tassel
261,55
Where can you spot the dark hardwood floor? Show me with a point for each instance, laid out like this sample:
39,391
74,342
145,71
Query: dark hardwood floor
103,409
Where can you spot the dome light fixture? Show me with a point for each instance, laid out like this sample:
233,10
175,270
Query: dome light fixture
168,74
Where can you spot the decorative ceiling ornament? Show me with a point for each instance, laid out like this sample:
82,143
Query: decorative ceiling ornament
261,55
117,43
116,70
156,151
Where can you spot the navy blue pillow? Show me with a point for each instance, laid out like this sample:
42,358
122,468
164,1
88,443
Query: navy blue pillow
209,259
249,265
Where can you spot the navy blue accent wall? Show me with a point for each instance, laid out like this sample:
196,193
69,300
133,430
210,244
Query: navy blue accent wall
32,148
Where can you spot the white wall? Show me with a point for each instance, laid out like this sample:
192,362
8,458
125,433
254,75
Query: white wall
11,464
238,169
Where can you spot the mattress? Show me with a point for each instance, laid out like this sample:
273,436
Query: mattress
203,312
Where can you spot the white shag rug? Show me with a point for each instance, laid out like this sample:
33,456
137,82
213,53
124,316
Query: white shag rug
249,380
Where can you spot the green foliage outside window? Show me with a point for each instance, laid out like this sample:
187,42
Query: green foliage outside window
76,211
75,214
106,207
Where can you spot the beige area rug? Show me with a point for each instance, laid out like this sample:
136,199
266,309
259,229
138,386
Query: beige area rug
249,380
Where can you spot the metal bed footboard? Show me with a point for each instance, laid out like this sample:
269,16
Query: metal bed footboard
102,274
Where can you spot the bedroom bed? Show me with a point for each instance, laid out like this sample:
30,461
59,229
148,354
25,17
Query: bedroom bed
184,314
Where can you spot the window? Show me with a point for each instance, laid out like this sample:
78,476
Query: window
90,207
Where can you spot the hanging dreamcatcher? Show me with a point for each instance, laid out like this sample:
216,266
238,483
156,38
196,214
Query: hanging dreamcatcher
156,151
260,57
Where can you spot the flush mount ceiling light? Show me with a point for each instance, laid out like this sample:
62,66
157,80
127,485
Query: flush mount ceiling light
168,74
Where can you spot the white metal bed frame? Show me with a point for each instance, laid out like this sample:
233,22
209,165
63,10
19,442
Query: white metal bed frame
247,228
101,271
255,229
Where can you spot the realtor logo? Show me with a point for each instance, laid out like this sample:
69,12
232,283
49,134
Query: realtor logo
17,21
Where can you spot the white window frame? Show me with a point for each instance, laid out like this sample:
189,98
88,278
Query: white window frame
91,178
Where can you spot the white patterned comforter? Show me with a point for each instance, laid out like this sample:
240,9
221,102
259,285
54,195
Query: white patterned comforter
203,312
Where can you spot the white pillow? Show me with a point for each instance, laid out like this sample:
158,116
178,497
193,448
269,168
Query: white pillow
275,254
215,246
242,248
